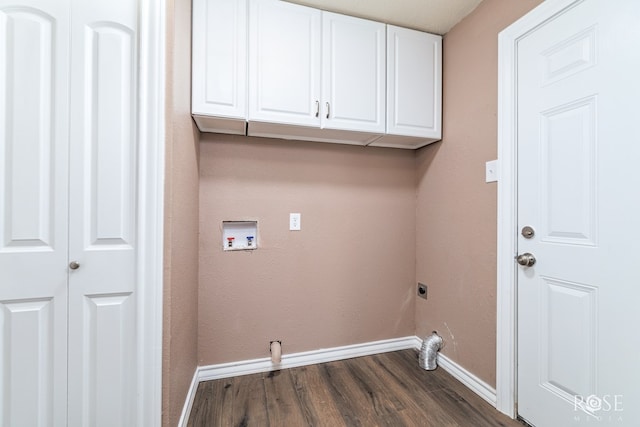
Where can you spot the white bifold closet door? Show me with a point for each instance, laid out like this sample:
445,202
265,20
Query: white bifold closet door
68,209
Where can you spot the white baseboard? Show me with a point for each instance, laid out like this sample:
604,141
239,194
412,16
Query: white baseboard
472,382
468,379
188,403
233,369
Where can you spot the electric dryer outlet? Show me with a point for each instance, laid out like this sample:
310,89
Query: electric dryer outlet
422,290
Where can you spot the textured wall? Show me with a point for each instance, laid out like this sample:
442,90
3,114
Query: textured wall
181,220
456,226
347,277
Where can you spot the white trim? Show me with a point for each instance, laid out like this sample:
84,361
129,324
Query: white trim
468,379
506,328
506,288
472,382
151,210
417,342
226,370
188,403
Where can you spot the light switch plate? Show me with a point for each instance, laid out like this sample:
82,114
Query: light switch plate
294,221
491,171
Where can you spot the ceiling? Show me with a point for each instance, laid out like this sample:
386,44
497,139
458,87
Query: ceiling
433,16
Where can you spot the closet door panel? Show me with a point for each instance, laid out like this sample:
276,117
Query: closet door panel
103,209
33,212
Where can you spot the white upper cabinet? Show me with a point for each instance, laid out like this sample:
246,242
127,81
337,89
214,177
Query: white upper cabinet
353,73
219,65
414,89
294,51
284,63
277,69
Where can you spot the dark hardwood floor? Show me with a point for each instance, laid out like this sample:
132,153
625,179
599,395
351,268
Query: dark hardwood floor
387,389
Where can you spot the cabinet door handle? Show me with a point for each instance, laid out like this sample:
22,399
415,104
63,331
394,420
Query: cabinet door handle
328,109
317,108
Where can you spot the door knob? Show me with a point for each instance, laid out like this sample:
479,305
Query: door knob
74,265
526,259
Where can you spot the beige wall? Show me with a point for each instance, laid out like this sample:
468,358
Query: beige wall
347,277
456,226
181,220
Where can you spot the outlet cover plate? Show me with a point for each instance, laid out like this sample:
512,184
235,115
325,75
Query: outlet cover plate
294,221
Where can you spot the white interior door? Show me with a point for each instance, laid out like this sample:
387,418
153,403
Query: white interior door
34,138
102,213
578,180
70,334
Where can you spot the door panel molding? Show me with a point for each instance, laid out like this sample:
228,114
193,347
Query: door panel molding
569,130
27,332
110,103
571,369
27,83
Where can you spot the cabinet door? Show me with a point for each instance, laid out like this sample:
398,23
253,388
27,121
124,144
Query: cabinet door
414,82
353,84
219,64
284,63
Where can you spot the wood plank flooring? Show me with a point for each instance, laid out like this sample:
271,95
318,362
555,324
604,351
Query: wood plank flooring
387,389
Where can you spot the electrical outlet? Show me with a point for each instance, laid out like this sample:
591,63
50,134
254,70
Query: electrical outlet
294,221
422,290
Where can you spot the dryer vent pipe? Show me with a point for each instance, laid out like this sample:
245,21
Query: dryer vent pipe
429,352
